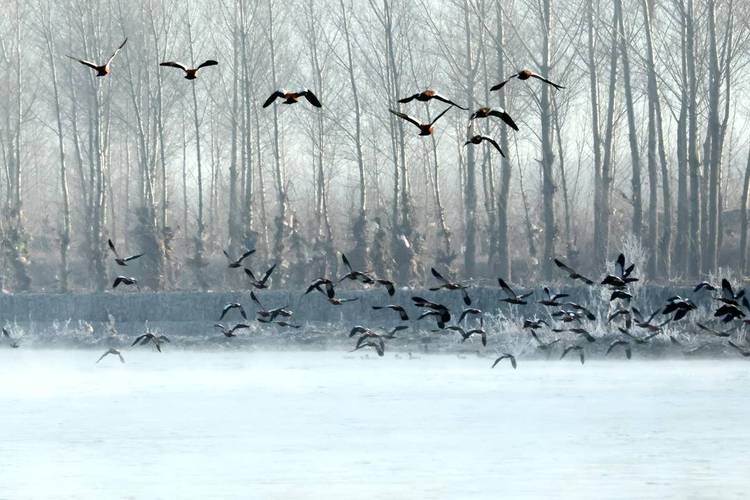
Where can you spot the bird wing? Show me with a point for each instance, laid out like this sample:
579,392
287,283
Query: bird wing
246,255
118,280
507,288
558,87
505,117
406,117
255,299
209,62
249,272
438,275
499,85
312,98
447,101
112,247
439,116
346,262
173,64
132,257
122,360
495,144
102,356
272,98
620,263
408,99
268,273
116,51
138,339
85,62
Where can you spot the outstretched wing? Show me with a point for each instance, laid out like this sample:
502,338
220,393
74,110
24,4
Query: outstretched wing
505,117
346,262
207,63
85,62
268,273
406,117
447,101
173,64
494,143
312,98
116,51
506,287
438,275
439,116
408,99
499,85
132,257
272,98
558,87
112,247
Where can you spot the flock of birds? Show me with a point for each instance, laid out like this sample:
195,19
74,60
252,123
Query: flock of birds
425,128
565,316
567,319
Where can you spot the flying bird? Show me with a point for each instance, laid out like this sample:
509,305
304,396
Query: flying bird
190,73
525,74
424,128
234,305
513,297
389,286
574,348
624,344
119,260
103,69
114,352
572,273
355,275
478,139
293,97
12,342
428,95
124,280
229,332
238,262
260,283
486,112
144,339
506,356
395,307
449,285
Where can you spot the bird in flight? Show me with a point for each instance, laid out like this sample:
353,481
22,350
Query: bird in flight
190,73
525,74
506,356
144,339
103,69
114,352
293,97
424,128
429,95
119,260
124,280
478,139
238,263
229,332
572,273
486,112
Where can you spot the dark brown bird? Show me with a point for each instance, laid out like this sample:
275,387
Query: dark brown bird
512,297
469,311
625,344
574,348
190,73
293,97
234,305
506,356
114,352
103,69
428,95
119,260
477,139
394,307
486,112
572,273
442,313
525,74
449,285
260,283
389,285
229,332
552,300
466,334
269,315
375,345
353,275
238,263
319,284
424,128
124,280
534,324
144,339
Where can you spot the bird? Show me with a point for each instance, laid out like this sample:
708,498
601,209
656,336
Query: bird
377,346
428,95
744,352
424,128
728,296
679,306
541,345
716,333
12,342
233,305
574,348
355,275
572,273
229,332
144,339
525,74
704,285
638,340
260,283
336,301
190,73
486,112
534,324
391,334
112,351
729,312
469,311
449,285
582,309
238,262
584,333
506,356
103,69
124,280
286,324
621,295
119,260
466,334
552,299
394,307
441,312
618,342
621,280
321,282
646,324
269,315
479,138
293,97
512,297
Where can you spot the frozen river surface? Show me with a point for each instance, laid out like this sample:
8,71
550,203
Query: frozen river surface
290,425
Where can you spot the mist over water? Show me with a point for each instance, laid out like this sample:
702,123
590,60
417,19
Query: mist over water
319,425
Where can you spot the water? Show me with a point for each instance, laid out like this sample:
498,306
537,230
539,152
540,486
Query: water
279,425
